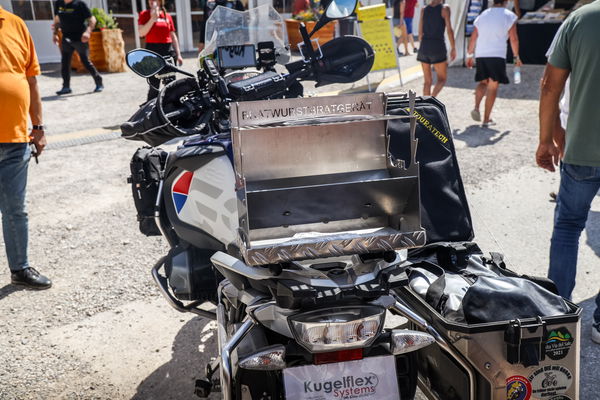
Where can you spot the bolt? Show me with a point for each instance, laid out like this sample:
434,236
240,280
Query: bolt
488,365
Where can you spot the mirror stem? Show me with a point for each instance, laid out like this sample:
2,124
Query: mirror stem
310,53
174,68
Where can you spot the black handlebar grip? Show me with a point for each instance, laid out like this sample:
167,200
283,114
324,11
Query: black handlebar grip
180,112
347,60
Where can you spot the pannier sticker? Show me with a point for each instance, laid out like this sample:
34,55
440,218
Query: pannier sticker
558,343
550,381
518,388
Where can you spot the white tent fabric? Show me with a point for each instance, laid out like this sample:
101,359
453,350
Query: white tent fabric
458,17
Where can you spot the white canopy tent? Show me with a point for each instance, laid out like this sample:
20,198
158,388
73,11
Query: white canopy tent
458,16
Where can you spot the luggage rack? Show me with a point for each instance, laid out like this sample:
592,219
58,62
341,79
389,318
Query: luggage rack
314,178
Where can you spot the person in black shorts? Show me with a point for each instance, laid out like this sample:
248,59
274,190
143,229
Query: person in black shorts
76,22
435,18
493,28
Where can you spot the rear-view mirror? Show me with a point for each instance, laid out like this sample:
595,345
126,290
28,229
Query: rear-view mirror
145,63
340,9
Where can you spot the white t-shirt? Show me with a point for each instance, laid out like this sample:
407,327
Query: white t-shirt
564,100
492,29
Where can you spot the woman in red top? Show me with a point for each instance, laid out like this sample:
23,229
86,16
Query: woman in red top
409,13
156,25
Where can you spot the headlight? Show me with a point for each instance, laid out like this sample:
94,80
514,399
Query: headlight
337,328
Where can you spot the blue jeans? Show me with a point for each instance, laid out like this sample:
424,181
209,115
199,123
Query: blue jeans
14,159
578,186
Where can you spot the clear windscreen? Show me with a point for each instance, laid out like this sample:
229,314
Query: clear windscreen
229,27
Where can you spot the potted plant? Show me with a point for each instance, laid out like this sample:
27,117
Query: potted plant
107,48
308,11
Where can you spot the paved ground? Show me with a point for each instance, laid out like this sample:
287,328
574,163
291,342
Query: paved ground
103,332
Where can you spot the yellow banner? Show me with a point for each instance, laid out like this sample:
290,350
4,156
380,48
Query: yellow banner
371,12
375,29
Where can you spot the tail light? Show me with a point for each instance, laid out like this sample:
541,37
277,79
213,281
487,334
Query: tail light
339,328
338,356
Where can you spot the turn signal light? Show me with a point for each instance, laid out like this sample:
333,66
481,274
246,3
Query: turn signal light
338,356
405,341
270,358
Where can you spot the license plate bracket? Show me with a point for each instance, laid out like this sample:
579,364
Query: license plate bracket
369,378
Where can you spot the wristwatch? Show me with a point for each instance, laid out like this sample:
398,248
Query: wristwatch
37,127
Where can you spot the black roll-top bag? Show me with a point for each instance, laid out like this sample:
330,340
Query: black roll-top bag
465,286
147,165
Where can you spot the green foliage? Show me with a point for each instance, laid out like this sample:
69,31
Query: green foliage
104,20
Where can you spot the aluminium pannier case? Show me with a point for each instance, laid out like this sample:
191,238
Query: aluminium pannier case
527,358
477,355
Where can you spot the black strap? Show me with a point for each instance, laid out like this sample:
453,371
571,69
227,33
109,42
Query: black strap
497,260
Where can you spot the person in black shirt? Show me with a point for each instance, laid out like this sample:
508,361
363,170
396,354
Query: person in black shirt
71,17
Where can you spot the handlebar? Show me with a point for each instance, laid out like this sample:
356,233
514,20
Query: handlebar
352,58
183,112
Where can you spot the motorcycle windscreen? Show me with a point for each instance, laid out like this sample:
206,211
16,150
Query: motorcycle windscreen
229,27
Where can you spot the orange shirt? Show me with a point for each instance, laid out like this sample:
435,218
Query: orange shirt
18,61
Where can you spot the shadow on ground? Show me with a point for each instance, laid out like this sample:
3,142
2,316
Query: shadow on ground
590,353
175,380
9,289
528,89
476,136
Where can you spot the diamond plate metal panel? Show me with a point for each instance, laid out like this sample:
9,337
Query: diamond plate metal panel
333,246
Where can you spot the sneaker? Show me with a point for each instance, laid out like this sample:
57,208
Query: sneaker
596,333
553,196
475,115
31,278
98,88
64,90
488,124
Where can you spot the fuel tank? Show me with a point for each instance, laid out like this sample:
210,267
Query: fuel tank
199,195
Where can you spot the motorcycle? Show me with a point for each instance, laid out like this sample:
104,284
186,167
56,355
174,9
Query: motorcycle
322,312
289,220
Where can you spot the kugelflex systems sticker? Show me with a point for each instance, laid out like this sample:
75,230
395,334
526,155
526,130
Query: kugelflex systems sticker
518,388
550,381
558,343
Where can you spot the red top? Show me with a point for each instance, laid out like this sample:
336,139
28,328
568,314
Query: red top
409,8
161,30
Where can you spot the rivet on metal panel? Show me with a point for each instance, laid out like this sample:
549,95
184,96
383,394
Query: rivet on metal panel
488,365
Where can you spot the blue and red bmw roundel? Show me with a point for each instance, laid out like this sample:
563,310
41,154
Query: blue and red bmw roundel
181,190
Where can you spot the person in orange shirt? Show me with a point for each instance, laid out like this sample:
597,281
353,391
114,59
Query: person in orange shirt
19,96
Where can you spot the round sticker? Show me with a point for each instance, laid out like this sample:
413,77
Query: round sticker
550,381
518,388
558,343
